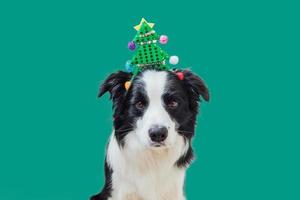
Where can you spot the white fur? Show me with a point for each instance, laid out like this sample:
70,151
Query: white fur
142,172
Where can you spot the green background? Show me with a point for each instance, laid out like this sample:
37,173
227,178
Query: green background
54,54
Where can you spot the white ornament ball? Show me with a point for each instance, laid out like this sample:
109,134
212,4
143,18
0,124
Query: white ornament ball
174,60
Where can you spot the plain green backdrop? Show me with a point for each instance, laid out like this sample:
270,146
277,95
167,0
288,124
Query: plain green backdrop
53,129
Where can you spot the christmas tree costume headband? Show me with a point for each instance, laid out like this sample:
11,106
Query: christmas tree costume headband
148,53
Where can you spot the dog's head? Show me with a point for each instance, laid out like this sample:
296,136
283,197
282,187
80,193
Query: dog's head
157,109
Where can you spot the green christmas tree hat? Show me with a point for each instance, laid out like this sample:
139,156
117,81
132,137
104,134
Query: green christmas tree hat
147,52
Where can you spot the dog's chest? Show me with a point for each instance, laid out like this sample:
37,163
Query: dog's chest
150,186
153,184
144,175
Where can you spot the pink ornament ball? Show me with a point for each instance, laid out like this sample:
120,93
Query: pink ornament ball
163,39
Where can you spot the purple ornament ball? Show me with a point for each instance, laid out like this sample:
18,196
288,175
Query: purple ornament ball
131,45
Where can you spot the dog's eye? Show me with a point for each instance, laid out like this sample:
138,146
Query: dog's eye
140,105
172,104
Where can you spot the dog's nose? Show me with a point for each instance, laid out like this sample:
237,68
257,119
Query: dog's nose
158,133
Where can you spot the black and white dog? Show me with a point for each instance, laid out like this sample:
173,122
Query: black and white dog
154,122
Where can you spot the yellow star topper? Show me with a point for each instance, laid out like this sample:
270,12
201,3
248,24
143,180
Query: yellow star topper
137,27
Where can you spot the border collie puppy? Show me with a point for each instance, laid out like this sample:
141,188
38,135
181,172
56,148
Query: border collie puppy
150,146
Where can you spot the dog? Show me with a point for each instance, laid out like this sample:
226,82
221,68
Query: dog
154,122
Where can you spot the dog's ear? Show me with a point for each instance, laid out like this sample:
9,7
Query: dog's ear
114,84
195,86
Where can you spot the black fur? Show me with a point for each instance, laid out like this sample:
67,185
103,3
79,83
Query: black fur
187,92
106,191
186,159
114,84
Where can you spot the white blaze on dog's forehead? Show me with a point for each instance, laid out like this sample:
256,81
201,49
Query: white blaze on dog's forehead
155,82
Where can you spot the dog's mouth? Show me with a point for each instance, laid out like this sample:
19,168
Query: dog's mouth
158,145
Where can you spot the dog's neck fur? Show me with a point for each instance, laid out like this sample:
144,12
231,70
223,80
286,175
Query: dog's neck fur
145,174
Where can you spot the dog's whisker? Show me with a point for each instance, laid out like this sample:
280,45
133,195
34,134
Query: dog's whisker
180,131
120,131
123,130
